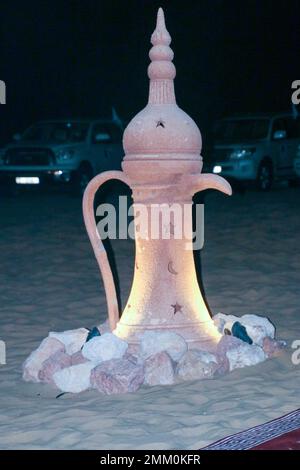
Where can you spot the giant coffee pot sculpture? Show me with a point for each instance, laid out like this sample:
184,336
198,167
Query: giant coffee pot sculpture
162,165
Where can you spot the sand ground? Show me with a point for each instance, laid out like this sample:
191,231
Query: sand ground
49,280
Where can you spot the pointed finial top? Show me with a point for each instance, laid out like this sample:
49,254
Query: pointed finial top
161,67
161,128
161,35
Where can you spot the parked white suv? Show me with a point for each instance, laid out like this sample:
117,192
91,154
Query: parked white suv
62,151
257,148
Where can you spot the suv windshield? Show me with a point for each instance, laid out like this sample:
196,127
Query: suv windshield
235,130
59,132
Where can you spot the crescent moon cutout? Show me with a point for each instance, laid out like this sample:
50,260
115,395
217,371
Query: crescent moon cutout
171,269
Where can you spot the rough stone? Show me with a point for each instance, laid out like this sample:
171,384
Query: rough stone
74,379
223,365
159,369
72,339
54,363
226,343
239,331
153,342
77,358
257,327
205,356
33,363
245,355
272,347
238,353
197,364
103,348
117,376
132,358
223,321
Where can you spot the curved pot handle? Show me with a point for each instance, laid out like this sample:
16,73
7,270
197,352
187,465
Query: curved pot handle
97,244
208,181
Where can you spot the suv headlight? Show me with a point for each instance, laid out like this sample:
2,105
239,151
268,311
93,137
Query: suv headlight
242,153
64,155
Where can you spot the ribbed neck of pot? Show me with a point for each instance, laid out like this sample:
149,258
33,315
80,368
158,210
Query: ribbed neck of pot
161,92
161,70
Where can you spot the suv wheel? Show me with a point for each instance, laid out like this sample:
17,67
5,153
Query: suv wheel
81,179
264,177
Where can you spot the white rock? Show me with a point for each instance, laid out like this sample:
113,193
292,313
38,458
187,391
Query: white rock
206,356
33,363
159,369
245,355
196,364
103,348
223,321
74,379
72,339
257,327
153,342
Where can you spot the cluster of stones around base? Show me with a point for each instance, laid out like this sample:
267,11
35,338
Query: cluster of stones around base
68,362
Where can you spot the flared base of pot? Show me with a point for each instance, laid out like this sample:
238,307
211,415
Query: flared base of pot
200,335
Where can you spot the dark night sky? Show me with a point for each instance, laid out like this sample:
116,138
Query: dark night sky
79,57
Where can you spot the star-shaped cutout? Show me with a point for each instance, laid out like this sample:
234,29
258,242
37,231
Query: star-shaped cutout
177,308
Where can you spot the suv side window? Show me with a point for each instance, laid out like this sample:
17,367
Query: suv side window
101,134
292,128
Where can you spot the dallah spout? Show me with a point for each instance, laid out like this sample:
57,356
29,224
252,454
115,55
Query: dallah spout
209,181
